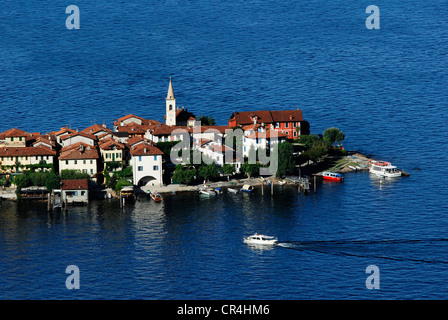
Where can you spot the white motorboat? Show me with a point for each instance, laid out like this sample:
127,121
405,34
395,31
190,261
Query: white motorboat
260,239
207,191
232,190
384,169
281,182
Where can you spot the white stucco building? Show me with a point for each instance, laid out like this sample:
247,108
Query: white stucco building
146,161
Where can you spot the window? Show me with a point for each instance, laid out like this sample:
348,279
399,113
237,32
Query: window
171,107
91,171
155,168
20,139
91,161
295,124
66,161
76,161
83,193
286,125
244,148
83,161
139,158
140,168
155,158
295,133
118,155
12,139
277,125
107,155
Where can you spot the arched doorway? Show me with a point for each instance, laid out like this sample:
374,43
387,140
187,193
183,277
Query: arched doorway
147,181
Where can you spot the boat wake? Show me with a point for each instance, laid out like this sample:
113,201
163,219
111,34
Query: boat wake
431,251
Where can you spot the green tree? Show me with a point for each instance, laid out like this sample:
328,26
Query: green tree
52,182
250,170
333,135
22,181
206,120
121,183
286,161
183,175
68,174
228,169
208,171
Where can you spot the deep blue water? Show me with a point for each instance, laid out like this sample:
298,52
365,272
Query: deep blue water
385,89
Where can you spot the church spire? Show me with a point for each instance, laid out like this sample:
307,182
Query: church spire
170,95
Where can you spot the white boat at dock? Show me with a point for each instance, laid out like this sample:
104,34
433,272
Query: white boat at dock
207,191
232,190
247,188
384,169
260,239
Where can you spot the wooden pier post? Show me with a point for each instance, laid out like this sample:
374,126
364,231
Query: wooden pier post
315,186
49,203
272,188
262,188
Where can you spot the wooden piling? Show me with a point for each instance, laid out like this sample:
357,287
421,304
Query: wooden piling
272,188
315,185
49,203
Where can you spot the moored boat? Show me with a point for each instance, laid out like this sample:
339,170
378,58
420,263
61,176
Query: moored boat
331,176
232,190
247,188
156,196
207,191
384,169
219,190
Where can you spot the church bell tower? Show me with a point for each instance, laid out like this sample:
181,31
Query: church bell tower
170,106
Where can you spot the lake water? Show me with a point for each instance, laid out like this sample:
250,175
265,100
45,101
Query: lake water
385,89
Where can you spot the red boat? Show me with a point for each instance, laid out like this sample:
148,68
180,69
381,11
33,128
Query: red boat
331,176
156,196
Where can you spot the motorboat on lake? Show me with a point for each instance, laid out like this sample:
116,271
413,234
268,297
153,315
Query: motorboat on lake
262,239
384,169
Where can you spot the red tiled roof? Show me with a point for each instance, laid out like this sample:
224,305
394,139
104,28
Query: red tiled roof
26,151
85,135
63,130
78,151
136,139
108,143
265,116
221,148
12,133
145,149
95,128
79,184
118,121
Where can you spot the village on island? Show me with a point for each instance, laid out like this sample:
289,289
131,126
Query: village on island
137,154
